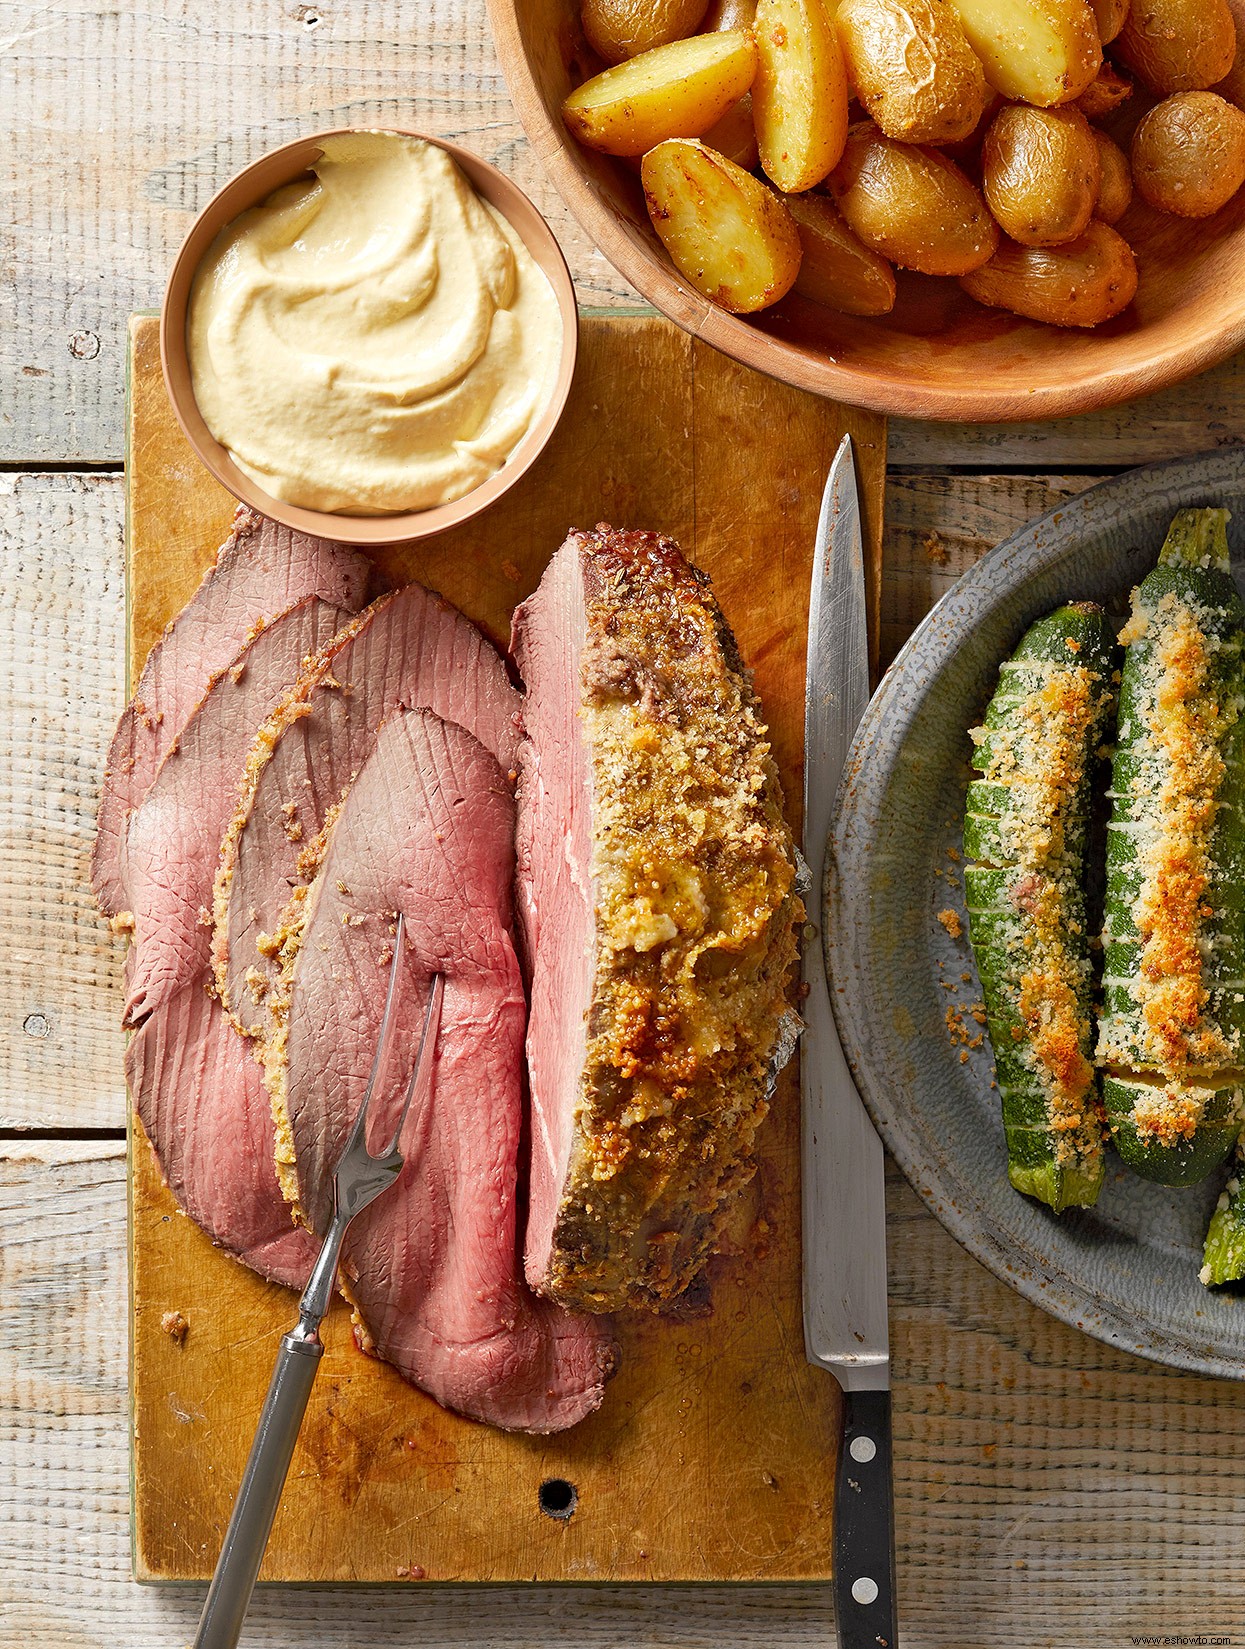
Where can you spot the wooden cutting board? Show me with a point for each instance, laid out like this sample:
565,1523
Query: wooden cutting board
712,1456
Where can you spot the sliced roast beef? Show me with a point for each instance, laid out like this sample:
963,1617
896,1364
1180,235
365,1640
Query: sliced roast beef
656,880
202,1100
171,841
261,570
427,829
409,648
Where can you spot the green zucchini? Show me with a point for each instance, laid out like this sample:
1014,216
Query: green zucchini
1223,1258
1025,832
1172,1033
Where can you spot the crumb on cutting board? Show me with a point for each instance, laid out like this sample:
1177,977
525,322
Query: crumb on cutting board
176,1325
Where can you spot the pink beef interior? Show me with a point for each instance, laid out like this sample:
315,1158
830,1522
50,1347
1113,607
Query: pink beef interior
555,902
261,570
428,829
170,847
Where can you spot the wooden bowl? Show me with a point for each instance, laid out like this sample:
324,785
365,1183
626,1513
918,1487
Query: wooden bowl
252,186
938,354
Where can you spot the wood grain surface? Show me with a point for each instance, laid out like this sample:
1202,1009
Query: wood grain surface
709,1458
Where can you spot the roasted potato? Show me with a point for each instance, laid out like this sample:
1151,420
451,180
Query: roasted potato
1109,17
912,205
730,14
728,235
911,66
1080,284
1189,154
1232,86
837,269
680,90
1178,45
1115,188
619,29
735,135
799,101
1037,51
1105,92
1040,174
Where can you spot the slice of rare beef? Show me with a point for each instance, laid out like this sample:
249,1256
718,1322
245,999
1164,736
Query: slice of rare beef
261,570
656,877
171,841
202,1100
432,1267
408,648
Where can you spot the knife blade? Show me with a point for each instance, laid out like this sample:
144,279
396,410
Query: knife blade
844,1208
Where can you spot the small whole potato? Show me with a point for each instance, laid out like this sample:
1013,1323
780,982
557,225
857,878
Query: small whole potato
727,234
912,205
1189,154
619,29
1232,86
730,14
837,269
1109,15
1038,51
799,100
1178,45
1115,191
910,64
1108,89
680,90
1080,284
1039,172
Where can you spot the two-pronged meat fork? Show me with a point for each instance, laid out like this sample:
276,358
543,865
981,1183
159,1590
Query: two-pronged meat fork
358,1180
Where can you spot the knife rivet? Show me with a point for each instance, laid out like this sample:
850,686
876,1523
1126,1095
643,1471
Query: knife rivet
865,1590
862,1449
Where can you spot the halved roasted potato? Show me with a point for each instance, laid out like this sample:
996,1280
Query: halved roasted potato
1038,51
1105,92
1115,186
1178,45
680,90
912,205
1189,154
910,64
735,135
1040,173
838,269
1081,284
727,234
619,29
799,100
730,14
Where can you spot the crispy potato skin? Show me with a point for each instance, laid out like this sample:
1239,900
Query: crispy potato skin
1043,52
1040,173
1115,189
1232,86
1082,283
1105,92
911,66
1189,154
727,234
1109,18
912,205
838,270
680,90
1178,45
730,14
799,99
619,29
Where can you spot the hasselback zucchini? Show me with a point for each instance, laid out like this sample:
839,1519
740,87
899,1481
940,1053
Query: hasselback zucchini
1173,1024
1025,833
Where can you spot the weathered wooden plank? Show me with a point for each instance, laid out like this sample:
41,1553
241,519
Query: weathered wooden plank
61,659
1050,1491
61,543
120,122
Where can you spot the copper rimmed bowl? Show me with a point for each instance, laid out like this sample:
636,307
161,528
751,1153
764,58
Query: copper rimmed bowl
937,355
254,185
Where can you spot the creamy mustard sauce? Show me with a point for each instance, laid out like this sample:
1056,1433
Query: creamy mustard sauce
376,340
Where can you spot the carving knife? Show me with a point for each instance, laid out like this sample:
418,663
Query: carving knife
844,1208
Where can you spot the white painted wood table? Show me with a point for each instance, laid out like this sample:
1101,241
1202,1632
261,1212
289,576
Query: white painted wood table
1050,1491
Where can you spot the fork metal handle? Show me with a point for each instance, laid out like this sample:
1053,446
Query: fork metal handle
229,1595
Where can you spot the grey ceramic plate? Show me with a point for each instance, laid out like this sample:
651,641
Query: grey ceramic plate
1126,1270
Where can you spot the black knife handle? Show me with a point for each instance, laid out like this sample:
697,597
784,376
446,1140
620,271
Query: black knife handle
864,1525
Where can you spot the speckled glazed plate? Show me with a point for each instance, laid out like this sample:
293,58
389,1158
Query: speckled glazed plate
1126,1270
